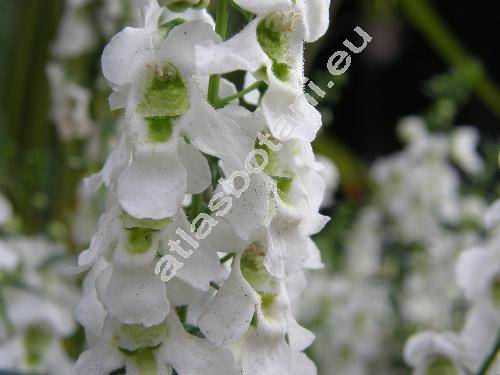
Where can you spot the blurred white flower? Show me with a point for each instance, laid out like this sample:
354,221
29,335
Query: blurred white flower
75,34
432,353
464,152
364,244
5,209
70,106
331,176
355,316
38,302
419,180
477,274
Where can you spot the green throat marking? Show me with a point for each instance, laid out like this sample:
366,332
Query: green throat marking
273,38
165,99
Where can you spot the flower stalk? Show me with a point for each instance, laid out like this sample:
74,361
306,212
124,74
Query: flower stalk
490,359
221,23
254,86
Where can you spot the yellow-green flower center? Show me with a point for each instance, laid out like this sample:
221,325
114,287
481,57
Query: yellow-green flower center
441,366
132,337
273,36
36,343
284,185
165,99
495,290
253,269
139,240
182,5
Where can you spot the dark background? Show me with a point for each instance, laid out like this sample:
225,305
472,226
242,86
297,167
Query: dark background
387,80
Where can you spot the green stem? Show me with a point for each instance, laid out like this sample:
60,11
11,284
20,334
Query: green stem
491,357
214,285
182,313
425,18
221,17
226,257
213,89
245,13
4,317
223,102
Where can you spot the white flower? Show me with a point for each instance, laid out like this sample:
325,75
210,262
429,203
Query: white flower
70,106
281,201
431,353
155,274
479,335
274,41
5,209
87,212
75,34
153,350
473,209
148,178
464,142
254,308
331,176
421,180
364,244
37,306
90,312
478,271
128,289
161,92
352,315
411,129
492,216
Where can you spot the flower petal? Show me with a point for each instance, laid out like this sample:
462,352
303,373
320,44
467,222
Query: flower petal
136,296
229,314
196,166
190,355
288,114
125,54
102,359
263,7
154,184
241,52
302,365
203,265
90,312
317,18
264,354
187,35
